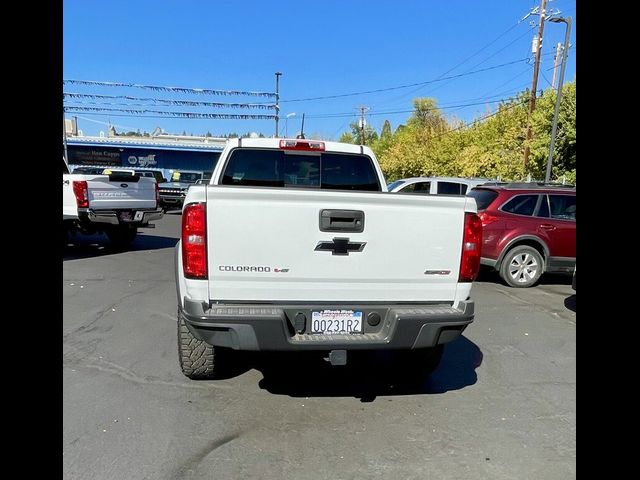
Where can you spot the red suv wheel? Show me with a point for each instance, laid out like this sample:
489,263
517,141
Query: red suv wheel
522,267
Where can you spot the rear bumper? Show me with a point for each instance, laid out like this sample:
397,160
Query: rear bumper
114,217
172,200
488,261
273,327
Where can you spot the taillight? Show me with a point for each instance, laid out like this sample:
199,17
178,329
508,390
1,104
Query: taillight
302,145
471,243
81,191
487,218
157,194
194,241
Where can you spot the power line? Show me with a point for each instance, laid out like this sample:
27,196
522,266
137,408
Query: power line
403,86
545,77
347,114
508,107
482,49
468,58
195,115
490,56
105,123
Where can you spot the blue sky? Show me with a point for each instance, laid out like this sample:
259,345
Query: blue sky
322,48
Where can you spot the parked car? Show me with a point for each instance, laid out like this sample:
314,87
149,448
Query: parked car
436,185
528,229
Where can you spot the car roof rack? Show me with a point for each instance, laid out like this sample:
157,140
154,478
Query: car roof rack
528,185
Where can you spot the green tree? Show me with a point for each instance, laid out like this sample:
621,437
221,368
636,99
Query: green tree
564,152
427,115
347,137
370,134
385,133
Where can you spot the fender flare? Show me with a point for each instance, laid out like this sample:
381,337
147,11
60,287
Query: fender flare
515,240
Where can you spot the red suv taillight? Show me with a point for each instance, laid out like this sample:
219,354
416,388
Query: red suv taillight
157,194
471,243
81,191
194,241
487,218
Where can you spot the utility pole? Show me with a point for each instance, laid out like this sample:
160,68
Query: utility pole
554,128
556,62
362,123
534,84
277,100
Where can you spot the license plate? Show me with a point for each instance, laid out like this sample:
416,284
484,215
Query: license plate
126,216
331,322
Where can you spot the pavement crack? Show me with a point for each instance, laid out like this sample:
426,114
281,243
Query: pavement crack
106,310
191,463
126,374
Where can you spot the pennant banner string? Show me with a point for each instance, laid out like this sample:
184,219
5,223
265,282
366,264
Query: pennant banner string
224,116
163,101
157,88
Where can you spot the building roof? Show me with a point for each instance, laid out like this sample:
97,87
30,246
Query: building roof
160,143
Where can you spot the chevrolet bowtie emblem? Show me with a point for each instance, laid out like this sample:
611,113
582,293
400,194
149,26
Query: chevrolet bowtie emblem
340,246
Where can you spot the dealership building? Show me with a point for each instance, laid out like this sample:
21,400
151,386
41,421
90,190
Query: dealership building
167,153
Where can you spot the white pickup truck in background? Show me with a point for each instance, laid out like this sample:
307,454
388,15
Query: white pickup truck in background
295,245
116,204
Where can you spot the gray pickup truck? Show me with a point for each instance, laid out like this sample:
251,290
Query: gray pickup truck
172,193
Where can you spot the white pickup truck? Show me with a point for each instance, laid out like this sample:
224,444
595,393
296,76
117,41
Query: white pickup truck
116,204
295,245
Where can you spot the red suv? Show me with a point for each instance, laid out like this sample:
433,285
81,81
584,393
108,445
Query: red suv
528,229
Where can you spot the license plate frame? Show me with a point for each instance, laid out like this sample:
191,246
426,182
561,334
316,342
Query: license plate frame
337,322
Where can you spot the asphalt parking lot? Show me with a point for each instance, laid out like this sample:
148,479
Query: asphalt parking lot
500,406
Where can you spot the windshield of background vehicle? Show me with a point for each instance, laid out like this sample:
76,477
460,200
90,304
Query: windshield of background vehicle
186,177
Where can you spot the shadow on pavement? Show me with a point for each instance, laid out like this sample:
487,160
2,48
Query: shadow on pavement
489,275
88,246
570,302
366,376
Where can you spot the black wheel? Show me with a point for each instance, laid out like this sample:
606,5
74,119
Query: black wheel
420,361
522,267
197,358
122,236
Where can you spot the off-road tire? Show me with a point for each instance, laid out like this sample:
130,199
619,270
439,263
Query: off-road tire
197,358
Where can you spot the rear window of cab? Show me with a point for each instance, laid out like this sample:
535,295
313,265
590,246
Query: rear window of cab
294,169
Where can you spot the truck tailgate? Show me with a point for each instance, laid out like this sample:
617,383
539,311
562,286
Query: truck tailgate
263,246
121,193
